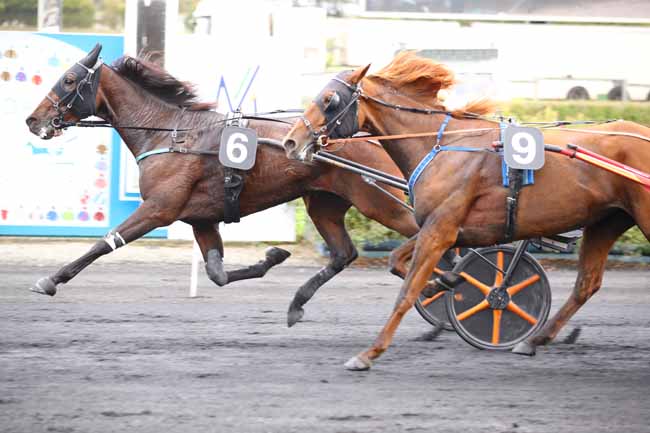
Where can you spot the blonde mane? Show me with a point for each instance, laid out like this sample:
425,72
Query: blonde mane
424,78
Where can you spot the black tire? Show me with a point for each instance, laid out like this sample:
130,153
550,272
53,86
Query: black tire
578,93
616,94
434,311
478,328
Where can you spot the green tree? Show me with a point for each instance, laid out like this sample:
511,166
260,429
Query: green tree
186,9
19,12
78,14
112,12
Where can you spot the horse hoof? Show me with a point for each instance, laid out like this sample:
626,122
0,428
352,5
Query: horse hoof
44,286
275,255
294,315
524,348
358,363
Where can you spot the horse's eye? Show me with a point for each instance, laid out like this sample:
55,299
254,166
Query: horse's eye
68,81
332,101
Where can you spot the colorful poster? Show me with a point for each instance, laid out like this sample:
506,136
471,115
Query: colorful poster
68,185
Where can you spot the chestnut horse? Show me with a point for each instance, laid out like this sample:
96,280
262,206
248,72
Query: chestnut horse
142,102
459,198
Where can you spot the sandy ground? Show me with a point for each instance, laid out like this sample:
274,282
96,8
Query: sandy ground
123,348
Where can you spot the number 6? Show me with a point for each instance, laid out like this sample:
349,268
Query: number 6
237,141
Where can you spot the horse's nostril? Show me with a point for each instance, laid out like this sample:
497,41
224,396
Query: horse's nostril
30,120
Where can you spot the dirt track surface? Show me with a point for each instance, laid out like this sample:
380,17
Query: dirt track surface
123,348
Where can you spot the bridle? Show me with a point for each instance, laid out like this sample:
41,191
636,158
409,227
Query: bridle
324,135
347,115
84,91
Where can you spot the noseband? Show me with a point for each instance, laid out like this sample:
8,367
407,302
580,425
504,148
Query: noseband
80,101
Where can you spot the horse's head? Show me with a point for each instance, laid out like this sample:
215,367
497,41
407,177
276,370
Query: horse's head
72,98
334,114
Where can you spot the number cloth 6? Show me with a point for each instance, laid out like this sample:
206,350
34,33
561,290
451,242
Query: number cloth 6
238,147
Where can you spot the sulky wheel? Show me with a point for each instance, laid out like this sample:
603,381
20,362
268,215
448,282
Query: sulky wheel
489,318
432,308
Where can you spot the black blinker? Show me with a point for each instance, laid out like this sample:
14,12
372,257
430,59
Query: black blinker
334,102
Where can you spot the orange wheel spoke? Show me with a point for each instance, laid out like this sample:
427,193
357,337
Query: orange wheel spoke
498,277
521,313
513,290
496,325
438,271
476,283
475,309
433,298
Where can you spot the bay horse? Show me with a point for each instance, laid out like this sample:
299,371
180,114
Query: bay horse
459,198
141,101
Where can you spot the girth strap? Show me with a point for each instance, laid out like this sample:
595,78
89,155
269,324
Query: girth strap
512,202
514,180
233,183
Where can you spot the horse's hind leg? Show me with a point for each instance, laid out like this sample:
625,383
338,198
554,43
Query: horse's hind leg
211,245
327,211
596,243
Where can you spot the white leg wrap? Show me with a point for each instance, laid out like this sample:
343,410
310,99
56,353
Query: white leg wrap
114,240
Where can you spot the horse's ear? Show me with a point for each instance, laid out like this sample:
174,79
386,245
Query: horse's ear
91,58
358,75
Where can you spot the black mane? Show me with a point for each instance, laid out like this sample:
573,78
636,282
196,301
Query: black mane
156,81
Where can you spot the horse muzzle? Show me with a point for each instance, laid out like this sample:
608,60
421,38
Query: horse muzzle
44,131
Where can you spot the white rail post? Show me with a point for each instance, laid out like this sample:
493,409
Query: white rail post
194,277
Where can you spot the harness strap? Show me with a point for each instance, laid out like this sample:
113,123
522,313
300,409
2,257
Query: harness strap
233,179
512,203
437,148
173,149
233,183
174,134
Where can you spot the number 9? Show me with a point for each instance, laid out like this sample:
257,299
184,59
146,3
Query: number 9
523,145
237,141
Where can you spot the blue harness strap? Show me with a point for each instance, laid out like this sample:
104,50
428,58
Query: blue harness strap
432,154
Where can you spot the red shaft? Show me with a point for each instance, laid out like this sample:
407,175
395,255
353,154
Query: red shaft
605,164
613,162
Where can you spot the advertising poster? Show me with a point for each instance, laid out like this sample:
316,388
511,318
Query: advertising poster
76,184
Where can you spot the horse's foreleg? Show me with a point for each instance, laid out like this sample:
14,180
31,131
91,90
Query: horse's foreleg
436,236
597,241
399,257
328,213
146,218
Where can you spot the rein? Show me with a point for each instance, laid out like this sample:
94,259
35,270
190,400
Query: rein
323,140
327,142
105,124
